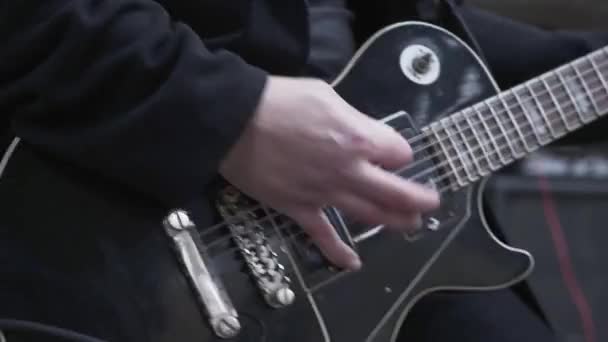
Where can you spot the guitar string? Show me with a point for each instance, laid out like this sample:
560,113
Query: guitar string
282,228
469,123
290,223
475,160
418,175
450,147
593,68
531,132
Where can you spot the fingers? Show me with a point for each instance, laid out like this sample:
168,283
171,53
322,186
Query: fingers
411,224
389,191
323,234
391,151
380,143
367,212
373,194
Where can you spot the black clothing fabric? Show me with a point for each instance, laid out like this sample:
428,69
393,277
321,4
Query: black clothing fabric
151,94
123,90
332,42
131,89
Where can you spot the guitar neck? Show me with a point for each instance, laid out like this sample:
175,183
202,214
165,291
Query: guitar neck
485,137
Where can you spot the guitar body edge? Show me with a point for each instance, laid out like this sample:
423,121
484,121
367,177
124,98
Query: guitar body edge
526,261
137,265
475,227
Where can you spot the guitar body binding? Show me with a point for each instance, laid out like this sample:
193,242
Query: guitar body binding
258,280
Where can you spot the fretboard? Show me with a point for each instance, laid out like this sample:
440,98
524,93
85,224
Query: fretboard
489,135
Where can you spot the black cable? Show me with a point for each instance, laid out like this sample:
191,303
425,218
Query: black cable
19,325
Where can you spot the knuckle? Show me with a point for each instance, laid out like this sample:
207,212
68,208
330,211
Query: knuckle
348,175
324,85
370,214
408,152
320,86
363,144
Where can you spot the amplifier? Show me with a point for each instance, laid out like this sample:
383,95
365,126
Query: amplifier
563,222
589,162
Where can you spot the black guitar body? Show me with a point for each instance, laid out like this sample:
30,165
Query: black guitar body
114,245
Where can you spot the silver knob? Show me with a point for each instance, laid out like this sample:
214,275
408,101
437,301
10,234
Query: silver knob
179,220
282,297
422,64
227,327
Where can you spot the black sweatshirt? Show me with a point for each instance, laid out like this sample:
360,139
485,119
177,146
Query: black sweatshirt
121,88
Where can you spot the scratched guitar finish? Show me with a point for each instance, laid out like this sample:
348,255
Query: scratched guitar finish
247,273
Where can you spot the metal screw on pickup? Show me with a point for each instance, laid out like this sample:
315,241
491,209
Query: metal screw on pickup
282,297
227,327
179,220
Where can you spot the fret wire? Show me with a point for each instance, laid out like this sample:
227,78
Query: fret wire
514,121
526,115
558,107
440,190
599,74
596,68
466,142
569,93
541,110
449,159
487,128
459,154
541,107
587,92
481,143
504,131
595,89
557,104
448,174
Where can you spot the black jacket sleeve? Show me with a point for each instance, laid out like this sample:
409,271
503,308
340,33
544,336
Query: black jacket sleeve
117,87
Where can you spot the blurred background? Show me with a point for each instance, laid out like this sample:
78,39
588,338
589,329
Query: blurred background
555,202
575,14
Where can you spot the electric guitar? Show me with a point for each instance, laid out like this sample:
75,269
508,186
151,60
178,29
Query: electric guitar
244,272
